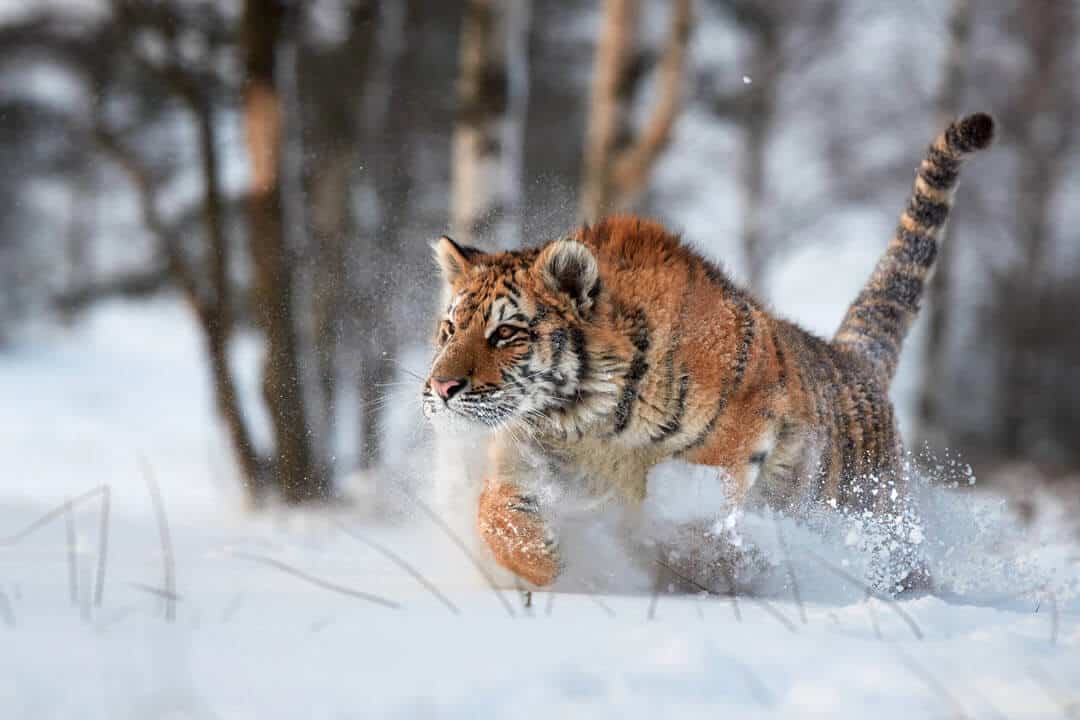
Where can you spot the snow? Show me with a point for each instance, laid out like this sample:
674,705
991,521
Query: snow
124,394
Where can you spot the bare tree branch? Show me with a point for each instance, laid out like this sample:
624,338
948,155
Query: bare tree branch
633,165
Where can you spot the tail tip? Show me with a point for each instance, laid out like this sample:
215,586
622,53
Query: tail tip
973,132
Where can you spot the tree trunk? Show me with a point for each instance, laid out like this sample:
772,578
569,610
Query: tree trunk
330,224
384,125
757,117
217,316
212,309
939,297
336,98
613,88
294,473
619,158
80,229
488,134
1044,124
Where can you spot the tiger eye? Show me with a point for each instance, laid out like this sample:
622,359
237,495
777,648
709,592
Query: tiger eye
446,330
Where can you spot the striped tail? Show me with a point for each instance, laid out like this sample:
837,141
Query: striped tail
878,320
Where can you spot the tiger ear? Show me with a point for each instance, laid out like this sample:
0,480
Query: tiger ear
569,267
454,260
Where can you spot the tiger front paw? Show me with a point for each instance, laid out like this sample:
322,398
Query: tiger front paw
512,527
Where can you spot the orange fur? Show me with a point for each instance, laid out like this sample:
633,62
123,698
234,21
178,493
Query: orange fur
602,354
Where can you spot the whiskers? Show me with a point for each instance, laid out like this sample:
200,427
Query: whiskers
401,366
387,395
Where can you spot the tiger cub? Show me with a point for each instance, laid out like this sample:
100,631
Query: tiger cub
604,353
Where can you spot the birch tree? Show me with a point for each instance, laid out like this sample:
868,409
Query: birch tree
488,140
618,157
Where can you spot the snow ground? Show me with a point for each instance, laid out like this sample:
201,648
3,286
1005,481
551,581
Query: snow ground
125,390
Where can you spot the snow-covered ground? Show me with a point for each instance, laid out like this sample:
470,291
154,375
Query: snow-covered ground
307,615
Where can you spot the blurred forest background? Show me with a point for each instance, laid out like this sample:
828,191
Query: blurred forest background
282,166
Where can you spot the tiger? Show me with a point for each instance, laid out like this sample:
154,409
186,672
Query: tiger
607,351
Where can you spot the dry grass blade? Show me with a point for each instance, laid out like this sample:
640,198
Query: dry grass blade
406,370
168,562
759,602
931,682
103,544
734,596
7,612
162,593
873,616
658,587
525,595
591,593
84,593
72,555
692,581
234,605
401,563
892,604
318,582
1054,618
50,516
449,532
792,578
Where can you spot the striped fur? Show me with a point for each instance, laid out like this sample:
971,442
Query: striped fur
879,318
605,353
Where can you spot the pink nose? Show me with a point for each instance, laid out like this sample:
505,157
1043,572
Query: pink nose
445,388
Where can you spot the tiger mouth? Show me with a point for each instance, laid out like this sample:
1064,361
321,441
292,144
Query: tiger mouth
481,411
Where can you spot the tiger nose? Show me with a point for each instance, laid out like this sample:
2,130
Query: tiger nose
447,388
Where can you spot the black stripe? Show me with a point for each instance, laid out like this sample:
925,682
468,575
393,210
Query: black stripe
878,315
541,313
963,142
861,418
825,464
876,341
558,344
781,360
717,277
848,471
943,160
926,212
938,177
874,449
902,289
673,424
818,363
843,424
742,355
916,248
638,367
577,346
674,342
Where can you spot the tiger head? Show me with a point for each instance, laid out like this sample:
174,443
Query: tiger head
511,343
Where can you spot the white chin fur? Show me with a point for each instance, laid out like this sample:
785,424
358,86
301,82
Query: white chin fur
444,420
